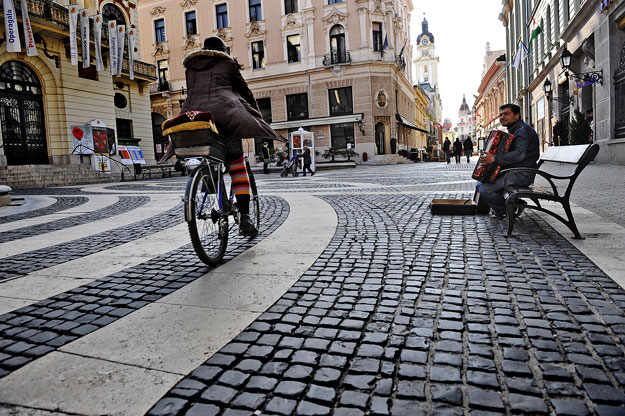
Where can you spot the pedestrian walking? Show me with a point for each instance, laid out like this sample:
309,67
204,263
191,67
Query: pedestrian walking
447,149
457,149
307,161
468,148
265,158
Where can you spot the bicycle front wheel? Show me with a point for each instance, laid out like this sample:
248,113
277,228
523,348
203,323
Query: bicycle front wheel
208,226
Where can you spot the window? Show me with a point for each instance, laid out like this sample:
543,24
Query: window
334,1
191,23
258,55
159,30
341,102
342,134
221,11
163,75
264,105
377,36
337,44
297,106
124,128
110,12
293,48
255,10
290,6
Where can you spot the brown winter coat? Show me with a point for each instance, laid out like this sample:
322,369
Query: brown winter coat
215,84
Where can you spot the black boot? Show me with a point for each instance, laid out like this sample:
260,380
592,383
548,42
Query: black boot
246,226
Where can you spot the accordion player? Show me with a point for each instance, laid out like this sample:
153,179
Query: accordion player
497,144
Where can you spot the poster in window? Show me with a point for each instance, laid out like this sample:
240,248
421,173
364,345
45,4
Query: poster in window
100,141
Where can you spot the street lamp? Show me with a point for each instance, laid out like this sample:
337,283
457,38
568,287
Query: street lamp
591,77
548,88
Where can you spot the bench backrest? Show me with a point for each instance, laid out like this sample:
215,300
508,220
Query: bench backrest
579,155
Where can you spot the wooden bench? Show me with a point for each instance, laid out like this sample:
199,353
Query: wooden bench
148,170
518,198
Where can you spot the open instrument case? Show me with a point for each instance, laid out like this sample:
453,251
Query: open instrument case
459,206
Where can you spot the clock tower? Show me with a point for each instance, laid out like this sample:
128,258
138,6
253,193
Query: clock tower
426,61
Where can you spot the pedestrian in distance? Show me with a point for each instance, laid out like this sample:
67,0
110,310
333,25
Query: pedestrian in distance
457,149
447,149
523,152
468,148
265,158
307,161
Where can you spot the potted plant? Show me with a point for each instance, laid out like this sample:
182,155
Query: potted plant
560,133
330,153
349,153
581,132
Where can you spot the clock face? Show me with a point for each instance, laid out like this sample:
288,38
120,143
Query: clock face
425,41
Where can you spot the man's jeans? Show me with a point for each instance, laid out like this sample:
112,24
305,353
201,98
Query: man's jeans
492,193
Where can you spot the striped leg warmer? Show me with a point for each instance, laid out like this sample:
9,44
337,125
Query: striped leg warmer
240,179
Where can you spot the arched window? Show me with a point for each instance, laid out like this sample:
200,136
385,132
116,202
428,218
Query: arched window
337,44
21,115
111,12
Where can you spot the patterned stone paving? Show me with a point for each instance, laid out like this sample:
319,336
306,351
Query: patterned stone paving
62,203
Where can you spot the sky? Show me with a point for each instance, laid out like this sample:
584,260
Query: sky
461,29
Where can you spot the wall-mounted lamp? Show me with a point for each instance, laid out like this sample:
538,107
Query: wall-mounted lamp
590,77
548,88
361,125
181,99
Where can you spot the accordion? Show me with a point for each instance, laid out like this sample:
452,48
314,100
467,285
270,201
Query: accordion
497,144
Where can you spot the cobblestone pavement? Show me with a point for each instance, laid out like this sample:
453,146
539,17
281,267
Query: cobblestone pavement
402,313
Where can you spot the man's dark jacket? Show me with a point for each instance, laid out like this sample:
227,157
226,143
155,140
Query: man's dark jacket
523,152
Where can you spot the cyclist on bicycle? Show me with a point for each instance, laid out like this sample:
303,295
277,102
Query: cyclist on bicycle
215,84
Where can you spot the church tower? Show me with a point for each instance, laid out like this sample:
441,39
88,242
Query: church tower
426,61
465,120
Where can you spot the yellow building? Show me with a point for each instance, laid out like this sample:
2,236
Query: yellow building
422,118
43,96
335,68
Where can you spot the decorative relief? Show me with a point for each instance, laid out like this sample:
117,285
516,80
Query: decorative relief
188,3
377,9
290,22
160,48
190,42
338,71
224,35
381,99
157,11
254,29
335,17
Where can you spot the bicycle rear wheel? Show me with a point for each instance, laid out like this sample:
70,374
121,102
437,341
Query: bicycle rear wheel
208,225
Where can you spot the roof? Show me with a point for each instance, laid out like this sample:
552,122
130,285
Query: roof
425,31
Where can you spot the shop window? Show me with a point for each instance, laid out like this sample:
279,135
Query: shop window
297,106
264,105
342,135
341,102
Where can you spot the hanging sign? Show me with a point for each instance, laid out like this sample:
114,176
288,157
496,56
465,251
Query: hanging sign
12,36
112,25
121,34
131,51
84,37
29,36
97,33
73,46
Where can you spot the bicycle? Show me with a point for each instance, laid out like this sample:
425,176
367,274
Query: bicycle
208,204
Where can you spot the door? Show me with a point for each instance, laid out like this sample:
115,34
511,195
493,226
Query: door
379,138
21,115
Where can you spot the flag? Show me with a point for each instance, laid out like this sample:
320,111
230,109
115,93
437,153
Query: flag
12,36
97,34
29,37
521,54
112,25
84,37
385,44
73,46
402,48
131,51
121,34
535,33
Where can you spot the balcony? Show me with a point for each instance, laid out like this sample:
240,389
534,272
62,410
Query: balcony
160,86
336,58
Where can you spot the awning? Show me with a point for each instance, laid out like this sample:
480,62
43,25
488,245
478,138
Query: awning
407,123
319,121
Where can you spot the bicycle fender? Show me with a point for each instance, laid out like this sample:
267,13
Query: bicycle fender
187,197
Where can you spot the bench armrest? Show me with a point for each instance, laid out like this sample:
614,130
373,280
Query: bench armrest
549,177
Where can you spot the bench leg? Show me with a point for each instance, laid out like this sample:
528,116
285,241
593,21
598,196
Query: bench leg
510,214
571,222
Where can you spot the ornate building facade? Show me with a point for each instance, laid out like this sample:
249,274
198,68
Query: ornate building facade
491,94
465,121
42,94
335,68
593,33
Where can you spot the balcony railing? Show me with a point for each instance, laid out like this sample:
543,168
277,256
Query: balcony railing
336,58
159,87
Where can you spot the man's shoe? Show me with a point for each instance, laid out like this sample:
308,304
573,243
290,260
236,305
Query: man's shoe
246,227
497,217
312,174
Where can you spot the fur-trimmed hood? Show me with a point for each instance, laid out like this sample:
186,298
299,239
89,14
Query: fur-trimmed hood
209,53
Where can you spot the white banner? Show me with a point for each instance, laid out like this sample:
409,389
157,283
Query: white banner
121,35
12,36
97,34
73,46
112,25
29,37
84,37
131,50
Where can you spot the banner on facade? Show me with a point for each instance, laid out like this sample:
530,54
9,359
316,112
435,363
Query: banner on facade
82,140
12,36
84,37
131,51
29,36
112,25
97,34
73,46
121,35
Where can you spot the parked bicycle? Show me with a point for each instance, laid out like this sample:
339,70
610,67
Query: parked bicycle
209,205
